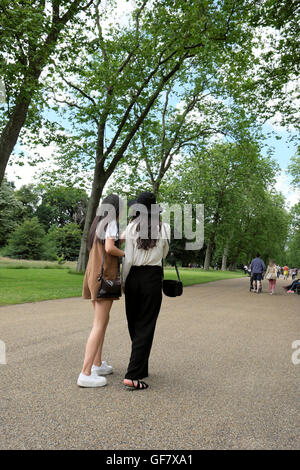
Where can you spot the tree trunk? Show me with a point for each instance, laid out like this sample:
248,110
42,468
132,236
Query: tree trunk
208,254
232,267
11,131
10,134
155,187
97,190
224,258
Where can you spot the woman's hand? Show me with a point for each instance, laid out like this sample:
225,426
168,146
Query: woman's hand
122,237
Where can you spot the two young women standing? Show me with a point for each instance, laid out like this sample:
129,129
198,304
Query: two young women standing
142,281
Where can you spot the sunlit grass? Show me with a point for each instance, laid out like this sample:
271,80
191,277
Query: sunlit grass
33,281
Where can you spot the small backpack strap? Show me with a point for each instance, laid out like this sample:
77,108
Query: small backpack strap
175,264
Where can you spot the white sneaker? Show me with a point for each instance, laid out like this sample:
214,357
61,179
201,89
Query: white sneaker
104,369
91,381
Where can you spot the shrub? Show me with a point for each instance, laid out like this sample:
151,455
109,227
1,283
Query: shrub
67,241
27,241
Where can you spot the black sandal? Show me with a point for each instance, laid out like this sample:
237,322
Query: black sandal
140,385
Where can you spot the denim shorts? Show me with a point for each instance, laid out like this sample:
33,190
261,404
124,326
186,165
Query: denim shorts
256,276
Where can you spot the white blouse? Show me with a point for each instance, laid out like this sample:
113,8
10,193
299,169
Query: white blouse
111,231
135,256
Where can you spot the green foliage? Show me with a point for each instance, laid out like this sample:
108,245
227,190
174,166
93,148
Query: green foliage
61,259
27,240
129,99
294,170
242,212
293,245
31,32
275,90
67,241
109,82
59,209
28,196
10,208
61,205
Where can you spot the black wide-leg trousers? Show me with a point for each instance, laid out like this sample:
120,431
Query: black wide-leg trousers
143,297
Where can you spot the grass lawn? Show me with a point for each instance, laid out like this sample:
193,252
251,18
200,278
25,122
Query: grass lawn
190,276
32,281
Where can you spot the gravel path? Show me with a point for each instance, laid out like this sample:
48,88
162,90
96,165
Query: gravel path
221,375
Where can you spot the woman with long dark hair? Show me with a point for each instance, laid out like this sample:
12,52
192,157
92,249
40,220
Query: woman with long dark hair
145,246
104,247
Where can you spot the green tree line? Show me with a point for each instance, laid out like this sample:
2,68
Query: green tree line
243,213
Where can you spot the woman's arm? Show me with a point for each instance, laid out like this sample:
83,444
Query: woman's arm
111,248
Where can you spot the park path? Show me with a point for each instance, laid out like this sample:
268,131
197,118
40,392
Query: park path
221,375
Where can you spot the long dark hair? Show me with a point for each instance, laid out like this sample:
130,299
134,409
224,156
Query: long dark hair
113,200
148,243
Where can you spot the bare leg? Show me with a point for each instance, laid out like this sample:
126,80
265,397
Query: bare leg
95,341
98,356
258,286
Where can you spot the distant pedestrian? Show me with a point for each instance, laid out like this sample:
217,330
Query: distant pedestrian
278,271
271,275
285,272
257,269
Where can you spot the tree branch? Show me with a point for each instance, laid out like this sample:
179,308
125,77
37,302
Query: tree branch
79,89
163,121
142,116
55,11
100,35
137,28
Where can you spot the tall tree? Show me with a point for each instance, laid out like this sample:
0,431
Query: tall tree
219,178
10,208
61,205
275,77
30,32
112,85
179,123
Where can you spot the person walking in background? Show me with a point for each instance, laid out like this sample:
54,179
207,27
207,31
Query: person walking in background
103,248
142,278
285,272
278,268
257,269
294,273
271,275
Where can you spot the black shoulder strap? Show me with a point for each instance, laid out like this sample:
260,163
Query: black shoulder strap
175,265
102,264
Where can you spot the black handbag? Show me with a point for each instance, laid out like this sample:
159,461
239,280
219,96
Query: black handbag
109,288
172,288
